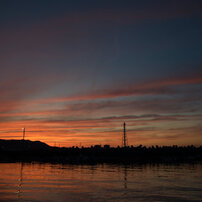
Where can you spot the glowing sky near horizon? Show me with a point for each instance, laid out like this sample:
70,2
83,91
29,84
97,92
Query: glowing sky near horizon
71,72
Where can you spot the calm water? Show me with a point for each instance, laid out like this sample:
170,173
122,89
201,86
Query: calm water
55,182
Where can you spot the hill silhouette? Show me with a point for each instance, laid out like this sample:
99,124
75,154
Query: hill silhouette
22,145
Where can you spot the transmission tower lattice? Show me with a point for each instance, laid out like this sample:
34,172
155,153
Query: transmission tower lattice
124,138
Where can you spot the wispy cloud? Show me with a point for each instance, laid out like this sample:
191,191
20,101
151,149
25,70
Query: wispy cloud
16,92
154,87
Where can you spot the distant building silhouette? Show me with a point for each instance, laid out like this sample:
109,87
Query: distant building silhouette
106,146
98,146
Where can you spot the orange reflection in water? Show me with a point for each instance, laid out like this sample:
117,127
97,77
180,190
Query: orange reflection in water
56,182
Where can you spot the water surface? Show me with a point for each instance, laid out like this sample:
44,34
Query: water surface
56,182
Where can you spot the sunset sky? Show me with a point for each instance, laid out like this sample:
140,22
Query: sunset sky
71,72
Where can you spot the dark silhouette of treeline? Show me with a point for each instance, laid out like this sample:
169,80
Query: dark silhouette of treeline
28,151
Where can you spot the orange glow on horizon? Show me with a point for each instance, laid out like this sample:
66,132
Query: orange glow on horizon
87,133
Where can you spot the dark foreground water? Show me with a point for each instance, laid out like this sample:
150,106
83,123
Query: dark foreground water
55,182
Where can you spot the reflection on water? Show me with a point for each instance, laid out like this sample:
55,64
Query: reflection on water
56,182
125,181
20,180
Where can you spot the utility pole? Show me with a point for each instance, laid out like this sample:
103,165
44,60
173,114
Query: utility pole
23,133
